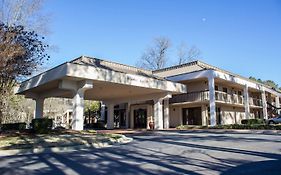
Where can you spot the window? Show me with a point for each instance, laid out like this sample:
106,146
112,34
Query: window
239,93
224,89
216,88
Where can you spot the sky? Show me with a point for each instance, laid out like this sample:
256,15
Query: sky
241,36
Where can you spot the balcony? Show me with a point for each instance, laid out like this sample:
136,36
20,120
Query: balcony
190,97
229,98
220,96
255,102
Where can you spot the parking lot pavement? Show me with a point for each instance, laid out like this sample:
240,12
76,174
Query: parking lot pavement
162,152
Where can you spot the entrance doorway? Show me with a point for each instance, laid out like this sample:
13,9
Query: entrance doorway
191,116
120,118
140,118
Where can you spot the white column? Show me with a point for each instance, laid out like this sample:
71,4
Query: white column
158,114
246,102
78,104
78,111
110,116
213,119
264,105
166,114
102,112
39,107
128,115
132,119
204,116
67,119
277,101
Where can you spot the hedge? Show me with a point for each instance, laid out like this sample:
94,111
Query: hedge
42,125
252,121
247,126
13,126
98,125
233,126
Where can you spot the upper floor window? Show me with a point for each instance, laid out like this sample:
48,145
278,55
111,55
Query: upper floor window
224,89
216,88
239,93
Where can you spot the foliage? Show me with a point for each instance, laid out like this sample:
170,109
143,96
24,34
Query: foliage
21,52
42,125
258,80
92,106
248,126
98,125
13,126
184,127
270,83
252,121
233,126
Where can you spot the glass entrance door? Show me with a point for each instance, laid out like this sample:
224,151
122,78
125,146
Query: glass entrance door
191,116
140,118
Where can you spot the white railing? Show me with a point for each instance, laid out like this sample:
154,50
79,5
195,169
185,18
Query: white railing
255,101
190,97
219,96
229,98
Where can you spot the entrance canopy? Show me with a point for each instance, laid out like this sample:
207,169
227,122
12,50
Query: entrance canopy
107,81
88,78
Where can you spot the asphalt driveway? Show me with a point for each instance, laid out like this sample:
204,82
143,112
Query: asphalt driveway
165,152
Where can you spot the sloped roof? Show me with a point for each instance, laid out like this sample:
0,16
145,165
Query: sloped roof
90,61
199,66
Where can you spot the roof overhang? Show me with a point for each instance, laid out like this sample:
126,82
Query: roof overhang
107,84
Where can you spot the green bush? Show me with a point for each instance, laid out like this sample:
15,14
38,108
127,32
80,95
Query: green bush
42,125
246,126
252,121
13,126
184,127
98,125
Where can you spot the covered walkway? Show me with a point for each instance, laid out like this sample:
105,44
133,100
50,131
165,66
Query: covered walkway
88,78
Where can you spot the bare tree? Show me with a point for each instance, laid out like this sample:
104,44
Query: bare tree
27,13
186,54
155,57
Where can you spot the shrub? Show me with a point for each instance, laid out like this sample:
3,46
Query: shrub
13,126
246,126
252,121
42,125
98,125
184,127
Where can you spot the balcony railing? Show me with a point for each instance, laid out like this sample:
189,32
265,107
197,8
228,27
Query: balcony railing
219,96
229,98
255,102
190,97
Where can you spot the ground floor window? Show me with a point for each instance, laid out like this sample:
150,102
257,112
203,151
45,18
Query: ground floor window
140,118
218,116
192,116
120,118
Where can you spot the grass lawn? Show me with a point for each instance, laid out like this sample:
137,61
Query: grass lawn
25,140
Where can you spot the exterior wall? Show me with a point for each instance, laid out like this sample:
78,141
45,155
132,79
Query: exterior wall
232,115
197,86
175,116
176,113
205,117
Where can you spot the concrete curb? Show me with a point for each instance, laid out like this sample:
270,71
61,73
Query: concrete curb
112,142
